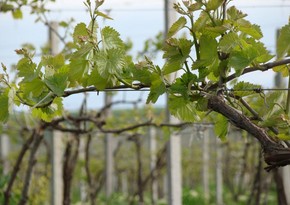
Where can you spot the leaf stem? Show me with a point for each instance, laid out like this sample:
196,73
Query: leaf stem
196,45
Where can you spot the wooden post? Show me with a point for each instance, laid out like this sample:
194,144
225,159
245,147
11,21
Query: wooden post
4,150
153,149
174,144
56,168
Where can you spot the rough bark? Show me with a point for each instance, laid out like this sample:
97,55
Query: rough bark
275,154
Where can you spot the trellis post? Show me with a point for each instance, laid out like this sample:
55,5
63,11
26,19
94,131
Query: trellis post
55,136
174,143
4,150
153,149
109,152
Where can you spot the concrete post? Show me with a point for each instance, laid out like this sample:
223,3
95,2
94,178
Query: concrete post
56,136
4,150
56,168
205,161
109,154
153,149
174,143
219,174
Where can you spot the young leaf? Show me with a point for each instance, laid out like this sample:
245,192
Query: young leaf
33,88
157,88
77,69
283,69
103,15
208,51
252,30
234,14
213,4
48,113
176,52
141,73
263,54
99,81
221,127
182,109
111,38
178,25
283,137
228,42
241,59
53,61
283,43
242,89
80,32
17,14
57,83
26,69
111,61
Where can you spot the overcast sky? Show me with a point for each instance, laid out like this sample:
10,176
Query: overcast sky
137,20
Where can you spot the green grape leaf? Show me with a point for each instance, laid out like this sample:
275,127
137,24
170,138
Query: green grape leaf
63,24
6,7
252,30
234,14
83,51
98,80
283,69
77,69
26,69
201,22
157,88
80,33
17,14
201,104
57,83
277,119
284,137
221,127
4,104
182,109
228,42
283,42
208,52
177,26
112,61
213,4
55,62
182,85
33,88
194,7
141,73
180,88
111,39
176,52
263,54
103,15
48,113
242,89
241,59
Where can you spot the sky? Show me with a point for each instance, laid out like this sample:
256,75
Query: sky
137,20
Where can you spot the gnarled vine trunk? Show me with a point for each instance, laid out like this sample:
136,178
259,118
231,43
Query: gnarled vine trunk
275,154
